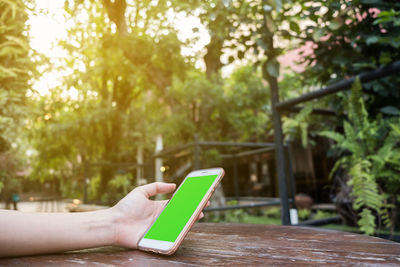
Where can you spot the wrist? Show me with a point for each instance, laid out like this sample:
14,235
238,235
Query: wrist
114,218
107,219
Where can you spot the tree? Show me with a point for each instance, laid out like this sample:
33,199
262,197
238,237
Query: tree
351,37
225,110
16,71
116,87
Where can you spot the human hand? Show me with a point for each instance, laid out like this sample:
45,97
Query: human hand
136,212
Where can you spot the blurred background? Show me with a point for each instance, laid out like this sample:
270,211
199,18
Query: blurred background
98,97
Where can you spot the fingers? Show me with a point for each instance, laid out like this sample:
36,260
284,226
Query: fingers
201,216
156,188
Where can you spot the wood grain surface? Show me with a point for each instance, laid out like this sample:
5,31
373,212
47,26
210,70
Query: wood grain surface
211,244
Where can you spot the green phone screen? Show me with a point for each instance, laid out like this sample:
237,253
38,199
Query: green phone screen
180,208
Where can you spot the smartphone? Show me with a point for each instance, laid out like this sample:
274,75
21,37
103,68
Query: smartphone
181,212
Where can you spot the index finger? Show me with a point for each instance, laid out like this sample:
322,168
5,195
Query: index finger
156,188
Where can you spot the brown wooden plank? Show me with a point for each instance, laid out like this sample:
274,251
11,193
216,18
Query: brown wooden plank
238,244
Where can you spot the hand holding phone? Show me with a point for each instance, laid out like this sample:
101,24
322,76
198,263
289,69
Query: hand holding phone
171,226
136,212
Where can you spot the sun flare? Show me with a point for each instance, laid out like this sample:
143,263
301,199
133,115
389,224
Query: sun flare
48,25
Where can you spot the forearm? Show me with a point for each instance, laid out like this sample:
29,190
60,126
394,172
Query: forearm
36,233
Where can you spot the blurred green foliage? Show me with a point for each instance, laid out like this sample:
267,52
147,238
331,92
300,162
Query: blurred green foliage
268,215
273,212
320,214
351,37
16,70
304,214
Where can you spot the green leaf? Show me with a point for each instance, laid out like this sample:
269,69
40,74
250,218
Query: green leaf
240,54
390,110
294,26
335,24
11,4
273,68
261,43
372,40
278,5
333,135
318,34
367,222
7,72
18,41
385,58
370,1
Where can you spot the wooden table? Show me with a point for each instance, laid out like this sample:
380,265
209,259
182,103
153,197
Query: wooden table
239,244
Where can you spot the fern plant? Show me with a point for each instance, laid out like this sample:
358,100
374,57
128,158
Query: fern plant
370,151
298,125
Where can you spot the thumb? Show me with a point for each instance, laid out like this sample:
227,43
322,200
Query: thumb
157,188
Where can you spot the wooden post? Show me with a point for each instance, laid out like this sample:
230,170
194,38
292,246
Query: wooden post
139,169
159,161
